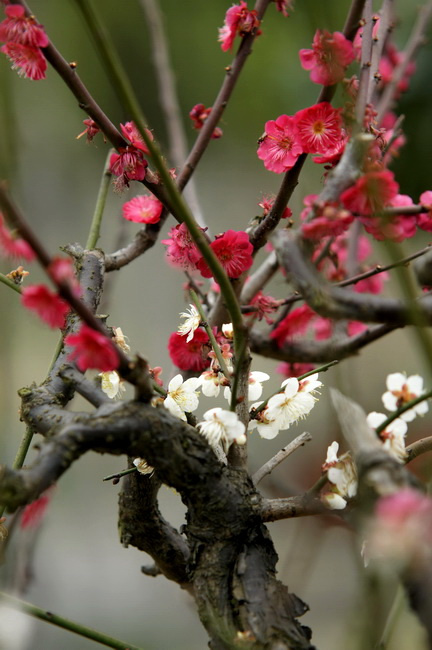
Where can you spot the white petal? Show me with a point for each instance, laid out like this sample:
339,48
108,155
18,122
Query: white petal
257,375
390,401
291,386
395,381
374,419
333,501
415,384
175,383
332,451
174,408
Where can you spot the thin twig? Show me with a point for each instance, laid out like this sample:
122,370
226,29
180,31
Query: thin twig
418,447
281,456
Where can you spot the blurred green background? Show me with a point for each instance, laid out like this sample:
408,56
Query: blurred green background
81,571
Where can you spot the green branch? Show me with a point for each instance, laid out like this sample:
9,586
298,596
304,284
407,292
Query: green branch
94,233
9,283
67,624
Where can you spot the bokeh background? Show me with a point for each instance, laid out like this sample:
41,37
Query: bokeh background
80,569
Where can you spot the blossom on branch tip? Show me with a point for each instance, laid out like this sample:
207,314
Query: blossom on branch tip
222,428
19,28
91,349
27,61
12,246
91,130
319,128
192,355
191,323
182,396
48,305
142,209
128,165
233,250
329,57
238,20
401,390
143,467
280,145
131,133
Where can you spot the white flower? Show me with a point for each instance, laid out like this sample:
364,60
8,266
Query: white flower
143,467
295,402
393,436
255,386
192,321
402,390
120,339
111,384
182,397
222,428
267,429
343,474
228,331
211,382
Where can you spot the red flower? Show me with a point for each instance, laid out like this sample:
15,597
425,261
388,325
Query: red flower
370,193
330,55
19,28
143,209
238,20
330,220
131,133
198,114
34,512
28,61
296,322
233,250
294,369
181,251
91,130
424,220
189,356
280,147
283,6
14,247
48,305
319,128
128,165
92,350
61,270
397,227
266,204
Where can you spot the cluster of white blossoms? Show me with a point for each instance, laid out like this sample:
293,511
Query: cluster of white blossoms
287,407
342,474
222,428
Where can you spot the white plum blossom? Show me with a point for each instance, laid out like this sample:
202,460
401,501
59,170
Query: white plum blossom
143,467
182,396
228,331
111,384
120,339
192,321
211,381
295,402
255,385
222,428
393,436
402,389
266,428
343,474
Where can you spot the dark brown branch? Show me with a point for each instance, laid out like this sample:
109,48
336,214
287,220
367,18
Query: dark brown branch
87,389
334,302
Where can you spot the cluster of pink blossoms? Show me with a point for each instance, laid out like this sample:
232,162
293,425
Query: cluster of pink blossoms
329,57
23,38
129,163
316,130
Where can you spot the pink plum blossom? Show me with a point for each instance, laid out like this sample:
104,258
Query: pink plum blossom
280,146
91,349
48,305
329,57
142,209
233,250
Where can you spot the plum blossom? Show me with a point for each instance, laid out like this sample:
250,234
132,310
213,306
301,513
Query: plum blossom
192,321
401,530
131,133
233,250
401,390
255,385
424,219
189,355
128,165
143,467
111,384
280,146
319,128
142,209
343,474
370,193
48,305
393,436
198,114
181,252
182,396
91,349
238,20
19,28
296,322
329,57
91,130
222,428
295,402
27,61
